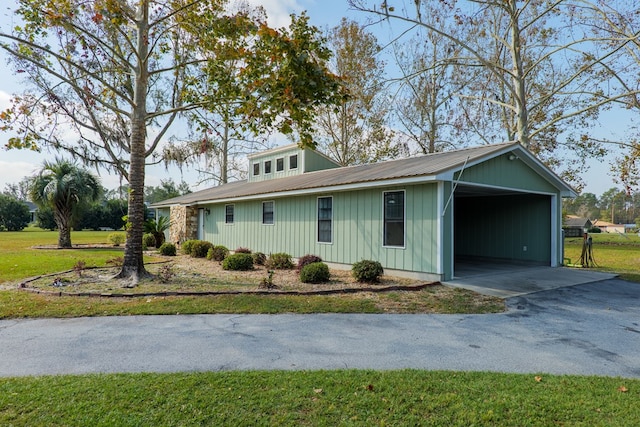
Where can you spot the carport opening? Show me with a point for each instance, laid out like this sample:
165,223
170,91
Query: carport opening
498,230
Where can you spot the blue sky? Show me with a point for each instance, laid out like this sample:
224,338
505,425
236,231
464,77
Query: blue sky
16,164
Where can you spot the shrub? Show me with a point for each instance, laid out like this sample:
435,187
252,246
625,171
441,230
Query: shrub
200,248
242,250
116,238
307,259
279,261
595,230
315,272
367,271
187,246
239,261
167,249
259,258
148,240
217,253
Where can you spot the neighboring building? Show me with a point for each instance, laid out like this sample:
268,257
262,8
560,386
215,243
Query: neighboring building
417,216
33,211
575,226
608,227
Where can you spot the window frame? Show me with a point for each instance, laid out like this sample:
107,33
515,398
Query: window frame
256,169
291,157
330,220
273,212
233,214
280,164
385,244
267,167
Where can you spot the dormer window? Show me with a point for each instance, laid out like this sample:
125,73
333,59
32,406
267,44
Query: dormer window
267,166
293,162
256,169
280,164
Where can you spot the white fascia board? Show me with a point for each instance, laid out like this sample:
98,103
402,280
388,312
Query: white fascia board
330,189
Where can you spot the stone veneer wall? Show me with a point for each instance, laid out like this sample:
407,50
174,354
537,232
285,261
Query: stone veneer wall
184,224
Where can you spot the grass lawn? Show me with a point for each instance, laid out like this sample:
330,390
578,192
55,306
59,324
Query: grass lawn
614,253
297,398
320,398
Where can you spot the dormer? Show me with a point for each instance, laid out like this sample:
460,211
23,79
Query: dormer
288,160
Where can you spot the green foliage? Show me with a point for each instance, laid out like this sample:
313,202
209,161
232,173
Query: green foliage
157,228
14,214
167,249
279,261
238,261
367,271
200,248
187,246
166,190
45,219
259,258
116,238
594,230
307,259
315,272
148,240
217,253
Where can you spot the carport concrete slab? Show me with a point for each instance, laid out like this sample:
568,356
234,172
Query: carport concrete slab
518,280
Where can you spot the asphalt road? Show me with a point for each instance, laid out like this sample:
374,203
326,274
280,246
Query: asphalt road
585,329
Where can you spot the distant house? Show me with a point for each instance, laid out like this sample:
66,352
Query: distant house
575,226
418,216
33,210
608,227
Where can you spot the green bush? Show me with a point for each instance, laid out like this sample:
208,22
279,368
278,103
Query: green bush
259,258
200,248
280,261
116,238
168,249
148,240
218,253
367,271
239,261
187,246
315,272
595,230
307,259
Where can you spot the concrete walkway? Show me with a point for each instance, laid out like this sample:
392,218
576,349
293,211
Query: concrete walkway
508,281
584,329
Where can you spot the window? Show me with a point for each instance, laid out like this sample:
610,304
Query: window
256,168
325,218
228,214
267,212
279,164
394,218
267,166
293,162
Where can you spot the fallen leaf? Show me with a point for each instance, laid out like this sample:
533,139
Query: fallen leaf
623,389
317,390
538,378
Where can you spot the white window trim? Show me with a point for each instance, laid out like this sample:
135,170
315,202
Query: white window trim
297,162
281,170
404,219
274,213
318,220
225,214
253,170
264,167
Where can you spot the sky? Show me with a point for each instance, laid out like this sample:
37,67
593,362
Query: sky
17,164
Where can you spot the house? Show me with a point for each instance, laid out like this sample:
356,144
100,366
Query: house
608,227
575,226
419,216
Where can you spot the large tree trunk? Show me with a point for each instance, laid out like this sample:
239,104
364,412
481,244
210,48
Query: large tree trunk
64,230
133,265
519,80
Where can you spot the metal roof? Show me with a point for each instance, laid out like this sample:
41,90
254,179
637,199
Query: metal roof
429,165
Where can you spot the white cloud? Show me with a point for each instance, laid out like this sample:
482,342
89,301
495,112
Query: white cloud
278,11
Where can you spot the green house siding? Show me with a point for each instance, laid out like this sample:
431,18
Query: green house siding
512,227
502,172
357,228
314,161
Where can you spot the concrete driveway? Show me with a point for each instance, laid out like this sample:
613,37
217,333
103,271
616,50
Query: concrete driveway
584,329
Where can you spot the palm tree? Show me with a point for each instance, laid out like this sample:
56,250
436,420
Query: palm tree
64,187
